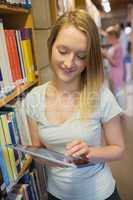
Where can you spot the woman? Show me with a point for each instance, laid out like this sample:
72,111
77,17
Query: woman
68,113
115,57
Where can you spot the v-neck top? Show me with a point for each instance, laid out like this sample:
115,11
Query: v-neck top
87,183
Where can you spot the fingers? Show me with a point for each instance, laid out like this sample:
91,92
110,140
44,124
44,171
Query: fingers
81,152
73,143
77,148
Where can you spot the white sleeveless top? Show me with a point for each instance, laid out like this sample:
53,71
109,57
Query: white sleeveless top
87,183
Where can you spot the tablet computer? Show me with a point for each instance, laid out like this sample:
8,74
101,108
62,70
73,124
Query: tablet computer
52,156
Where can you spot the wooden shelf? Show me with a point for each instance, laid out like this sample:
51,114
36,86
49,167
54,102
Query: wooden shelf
12,10
19,90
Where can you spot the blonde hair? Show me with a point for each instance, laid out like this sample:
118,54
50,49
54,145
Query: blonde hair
92,76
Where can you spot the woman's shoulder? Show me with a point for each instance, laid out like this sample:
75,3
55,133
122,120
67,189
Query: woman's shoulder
106,95
109,107
105,91
34,100
40,89
36,94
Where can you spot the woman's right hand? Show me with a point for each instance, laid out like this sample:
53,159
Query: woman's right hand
104,52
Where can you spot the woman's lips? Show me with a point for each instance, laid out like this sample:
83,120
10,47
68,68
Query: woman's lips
67,70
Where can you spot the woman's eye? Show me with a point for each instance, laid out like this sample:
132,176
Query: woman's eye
82,56
62,51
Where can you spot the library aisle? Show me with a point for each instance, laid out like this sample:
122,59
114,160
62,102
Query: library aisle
122,170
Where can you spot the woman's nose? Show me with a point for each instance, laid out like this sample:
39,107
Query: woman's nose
69,61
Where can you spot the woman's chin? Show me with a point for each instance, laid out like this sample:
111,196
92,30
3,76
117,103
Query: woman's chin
65,78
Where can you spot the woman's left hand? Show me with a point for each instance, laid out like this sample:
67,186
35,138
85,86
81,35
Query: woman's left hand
86,153
79,149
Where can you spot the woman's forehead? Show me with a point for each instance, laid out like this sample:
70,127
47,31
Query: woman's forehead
70,35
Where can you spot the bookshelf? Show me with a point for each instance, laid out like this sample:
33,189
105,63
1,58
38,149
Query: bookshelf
19,90
15,19
58,7
12,10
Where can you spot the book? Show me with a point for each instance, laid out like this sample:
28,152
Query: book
4,120
4,62
21,59
26,46
12,109
38,187
3,191
5,153
34,185
26,4
3,168
13,139
52,157
13,55
14,196
23,127
25,189
16,193
41,179
26,180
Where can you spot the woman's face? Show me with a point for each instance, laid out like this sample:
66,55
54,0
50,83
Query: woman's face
69,54
111,39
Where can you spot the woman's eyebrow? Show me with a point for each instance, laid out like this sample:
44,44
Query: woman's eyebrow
77,51
62,46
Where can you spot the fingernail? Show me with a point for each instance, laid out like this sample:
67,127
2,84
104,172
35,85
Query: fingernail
67,147
66,154
87,156
75,154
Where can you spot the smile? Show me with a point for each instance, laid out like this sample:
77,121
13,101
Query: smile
68,70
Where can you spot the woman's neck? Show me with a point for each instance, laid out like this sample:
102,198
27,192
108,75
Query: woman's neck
62,87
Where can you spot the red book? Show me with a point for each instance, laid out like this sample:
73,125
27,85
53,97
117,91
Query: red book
13,55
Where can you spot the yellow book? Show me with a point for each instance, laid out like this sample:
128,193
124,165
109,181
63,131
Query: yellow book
28,60
5,152
8,141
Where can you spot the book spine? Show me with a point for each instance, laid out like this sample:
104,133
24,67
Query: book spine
20,55
4,120
34,185
5,153
3,166
27,55
4,61
13,55
3,191
13,140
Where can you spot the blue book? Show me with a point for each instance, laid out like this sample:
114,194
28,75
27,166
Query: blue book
26,179
4,168
1,78
8,109
12,134
10,125
26,4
